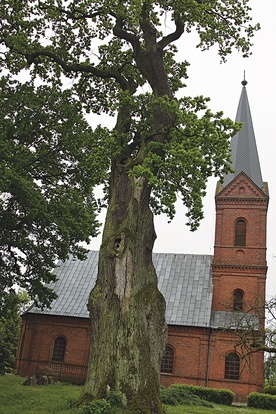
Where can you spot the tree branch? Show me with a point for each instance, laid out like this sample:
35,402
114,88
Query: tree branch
148,30
79,68
172,37
123,34
75,14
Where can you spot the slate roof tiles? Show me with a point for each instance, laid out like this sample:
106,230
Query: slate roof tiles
184,279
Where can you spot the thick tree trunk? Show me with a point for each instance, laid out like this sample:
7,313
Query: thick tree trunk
126,308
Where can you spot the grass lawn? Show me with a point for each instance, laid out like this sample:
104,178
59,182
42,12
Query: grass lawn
41,399
54,399
218,409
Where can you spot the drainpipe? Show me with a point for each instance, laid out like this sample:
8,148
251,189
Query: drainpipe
22,337
208,357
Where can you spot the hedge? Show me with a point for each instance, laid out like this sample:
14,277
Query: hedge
215,395
181,396
263,401
270,389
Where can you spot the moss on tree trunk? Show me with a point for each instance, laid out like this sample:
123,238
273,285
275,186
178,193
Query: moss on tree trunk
126,308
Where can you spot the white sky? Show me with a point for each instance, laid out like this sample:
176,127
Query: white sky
222,83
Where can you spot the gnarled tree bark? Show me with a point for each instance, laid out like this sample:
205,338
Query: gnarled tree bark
126,308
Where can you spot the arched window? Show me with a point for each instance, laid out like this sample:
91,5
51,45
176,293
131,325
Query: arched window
232,366
238,300
240,232
59,349
167,361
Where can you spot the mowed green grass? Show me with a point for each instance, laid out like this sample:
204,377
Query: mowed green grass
218,409
55,399
41,399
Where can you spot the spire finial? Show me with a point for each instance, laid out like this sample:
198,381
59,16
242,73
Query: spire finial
244,82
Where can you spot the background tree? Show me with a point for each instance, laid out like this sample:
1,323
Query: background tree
11,307
270,342
254,330
115,58
46,184
270,369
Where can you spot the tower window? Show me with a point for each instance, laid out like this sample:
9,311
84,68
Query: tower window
240,233
238,300
59,349
232,366
167,361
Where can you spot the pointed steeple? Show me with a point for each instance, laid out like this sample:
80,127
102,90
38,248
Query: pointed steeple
243,144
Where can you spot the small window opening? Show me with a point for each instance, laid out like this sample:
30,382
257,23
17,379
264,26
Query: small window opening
238,300
59,349
167,361
240,233
232,366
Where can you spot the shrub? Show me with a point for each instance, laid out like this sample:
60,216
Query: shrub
181,396
263,401
96,407
270,389
116,399
215,395
73,402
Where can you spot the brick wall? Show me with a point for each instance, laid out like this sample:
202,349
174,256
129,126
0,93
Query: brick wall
38,334
240,267
191,346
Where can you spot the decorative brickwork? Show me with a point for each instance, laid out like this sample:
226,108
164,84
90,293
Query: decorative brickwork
240,267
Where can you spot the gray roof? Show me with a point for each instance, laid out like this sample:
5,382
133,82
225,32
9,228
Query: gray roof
234,320
184,279
243,144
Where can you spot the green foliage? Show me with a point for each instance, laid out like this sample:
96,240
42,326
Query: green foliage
270,342
48,156
95,57
270,389
263,401
181,396
10,322
215,395
270,360
199,138
96,407
121,65
116,399
104,405
113,401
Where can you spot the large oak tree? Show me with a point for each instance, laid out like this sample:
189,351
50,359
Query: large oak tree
115,58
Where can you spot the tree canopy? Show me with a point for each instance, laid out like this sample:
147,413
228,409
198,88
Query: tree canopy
120,59
11,307
102,54
46,184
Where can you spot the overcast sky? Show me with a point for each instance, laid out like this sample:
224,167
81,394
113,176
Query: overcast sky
222,83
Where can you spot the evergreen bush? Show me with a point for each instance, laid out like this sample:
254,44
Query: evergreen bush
263,401
215,395
270,389
116,399
96,407
181,396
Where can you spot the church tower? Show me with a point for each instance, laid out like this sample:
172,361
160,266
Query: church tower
239,265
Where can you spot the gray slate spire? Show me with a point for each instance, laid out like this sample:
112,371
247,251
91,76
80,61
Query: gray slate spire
243,144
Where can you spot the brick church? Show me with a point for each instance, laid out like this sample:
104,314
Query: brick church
210,299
